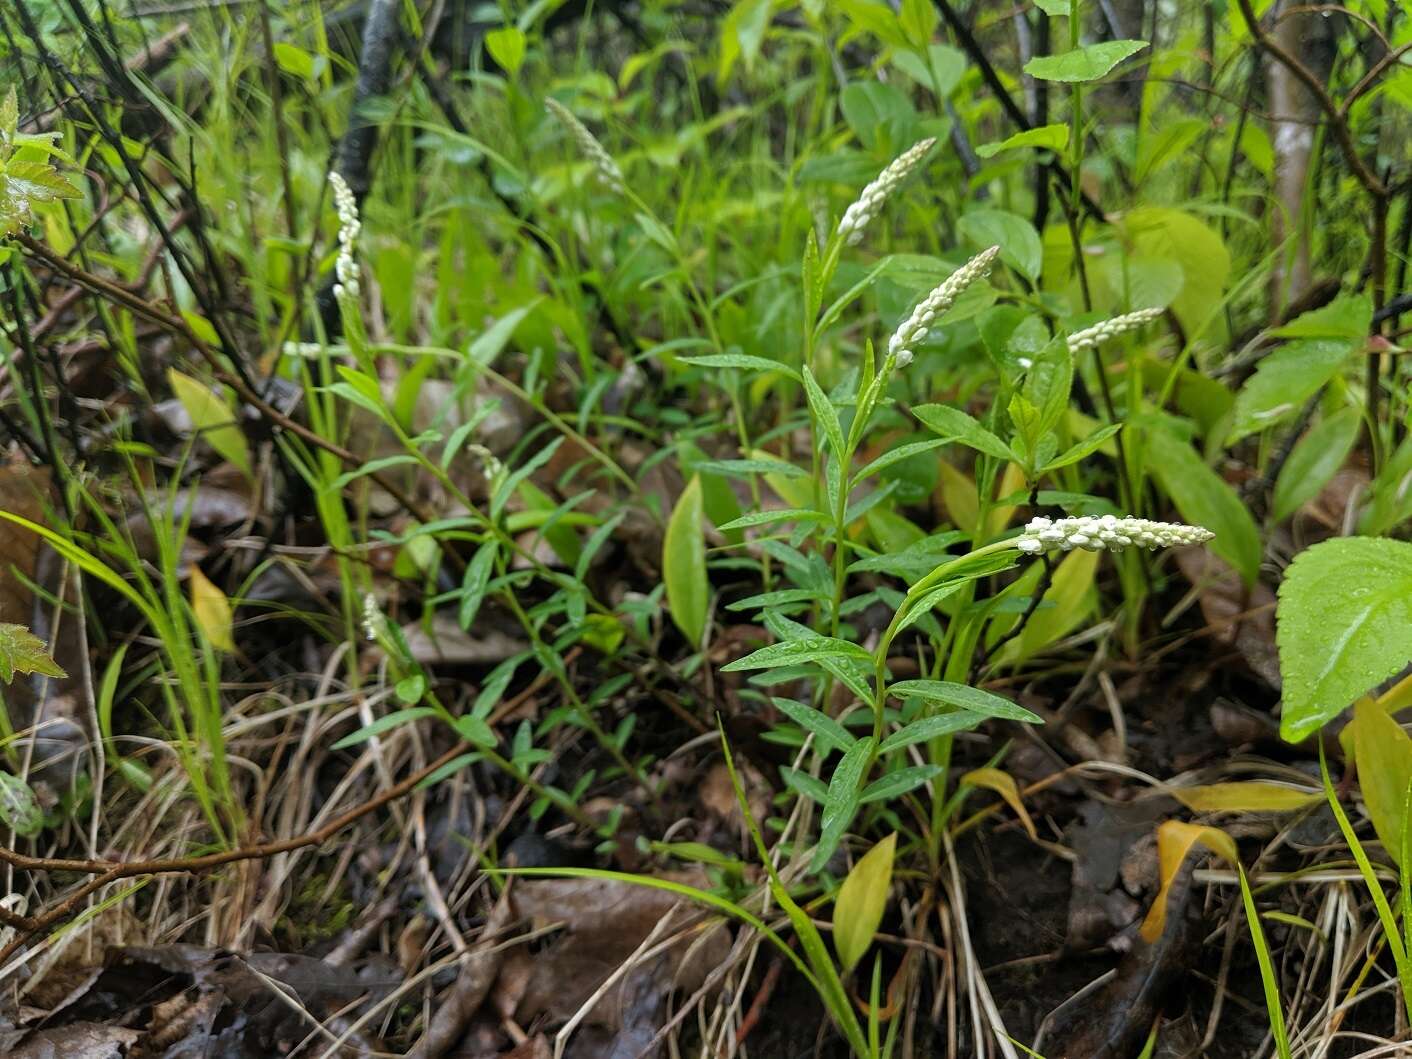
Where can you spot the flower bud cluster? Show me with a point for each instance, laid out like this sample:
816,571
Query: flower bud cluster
1106,329
608,172
859,215
907,337
1105,533
349,225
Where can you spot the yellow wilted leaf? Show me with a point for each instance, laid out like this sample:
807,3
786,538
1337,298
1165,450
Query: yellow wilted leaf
1253,797
1003,784
1383,752
861,901
212,419
796,492
1174,842
1010,483
1073,597
958,493
212,611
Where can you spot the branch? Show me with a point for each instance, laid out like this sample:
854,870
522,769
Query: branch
1007,102
1337,118
178,325
105,871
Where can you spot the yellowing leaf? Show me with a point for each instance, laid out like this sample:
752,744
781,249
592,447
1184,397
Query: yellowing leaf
861,901
1003,784
1073,597
201,327
23,652
796,492
1174,842
1012,482
212,419
684,564
958,492
1250,797
1383,752
212,611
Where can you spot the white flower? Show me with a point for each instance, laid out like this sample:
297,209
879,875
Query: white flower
588,145
1105,533
374,623
1106,329
908,336
490,464
349,225
870,202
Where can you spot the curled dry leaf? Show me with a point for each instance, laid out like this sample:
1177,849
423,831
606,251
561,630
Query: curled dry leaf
1244,618
604,923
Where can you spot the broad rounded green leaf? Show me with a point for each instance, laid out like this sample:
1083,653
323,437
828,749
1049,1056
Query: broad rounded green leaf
939,74
1383,752
1204,499
862,899
1344,624
507,47
1285,380
1088,63
1045,137
684,564
1019,243
19,809
1160,232
1315,460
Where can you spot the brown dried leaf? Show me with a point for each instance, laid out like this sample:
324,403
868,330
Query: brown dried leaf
605,921
1240,617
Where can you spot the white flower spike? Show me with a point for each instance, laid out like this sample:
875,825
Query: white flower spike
859,215
608,172
907,337
349,225
1106,329
1105,533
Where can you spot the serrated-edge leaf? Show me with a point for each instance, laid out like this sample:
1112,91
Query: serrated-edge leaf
23,652
1343,624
